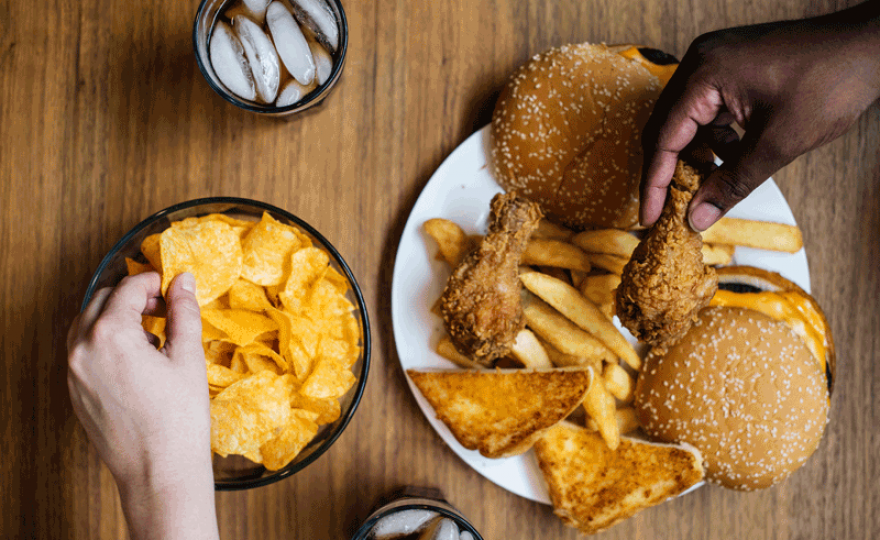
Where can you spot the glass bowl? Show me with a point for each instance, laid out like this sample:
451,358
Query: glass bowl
237,472
206,16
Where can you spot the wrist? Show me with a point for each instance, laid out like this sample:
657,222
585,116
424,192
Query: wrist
855,34
159,504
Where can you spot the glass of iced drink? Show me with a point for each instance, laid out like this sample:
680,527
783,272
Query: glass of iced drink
416,514
271,57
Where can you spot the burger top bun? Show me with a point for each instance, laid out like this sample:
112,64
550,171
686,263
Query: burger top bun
744,390
566,131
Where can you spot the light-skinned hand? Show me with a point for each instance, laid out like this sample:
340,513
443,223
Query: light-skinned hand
147,411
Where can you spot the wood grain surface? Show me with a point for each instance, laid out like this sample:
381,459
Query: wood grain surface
105,119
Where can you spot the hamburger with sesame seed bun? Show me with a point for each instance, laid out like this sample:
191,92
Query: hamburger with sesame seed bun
748,385
566,130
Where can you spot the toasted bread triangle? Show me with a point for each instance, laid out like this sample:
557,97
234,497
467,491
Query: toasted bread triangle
593,487
502,412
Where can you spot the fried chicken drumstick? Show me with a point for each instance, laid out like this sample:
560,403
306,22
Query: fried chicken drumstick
481,305
665,283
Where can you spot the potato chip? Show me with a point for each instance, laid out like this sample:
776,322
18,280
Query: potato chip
267,250
218,303
155,326
249,413
241,428
256,363
329,379
150,249
247,295
211,251
349,330
240,226
337,280
273,293
325,302
291,347
211,333
219,352
339,350
240,326
221,376
258,357
307,267
187,223
328,410
304,240
237,365
279,451
135,268
260,386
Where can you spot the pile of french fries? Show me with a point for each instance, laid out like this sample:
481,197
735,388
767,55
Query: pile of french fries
571,280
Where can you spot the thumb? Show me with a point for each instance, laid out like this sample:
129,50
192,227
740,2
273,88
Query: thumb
184,325
684,106
757,159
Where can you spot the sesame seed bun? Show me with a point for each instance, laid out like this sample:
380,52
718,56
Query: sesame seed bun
566,131
744,389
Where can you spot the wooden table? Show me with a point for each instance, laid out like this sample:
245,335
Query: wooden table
105,119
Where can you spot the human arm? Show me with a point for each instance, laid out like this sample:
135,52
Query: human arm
147,412
792,86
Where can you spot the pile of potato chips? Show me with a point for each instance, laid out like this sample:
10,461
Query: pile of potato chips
279,335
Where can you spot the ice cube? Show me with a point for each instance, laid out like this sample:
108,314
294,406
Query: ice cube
319,18
290,43
442,529
323,61
466,535
401,523
292,92
257,9
262,57
229,62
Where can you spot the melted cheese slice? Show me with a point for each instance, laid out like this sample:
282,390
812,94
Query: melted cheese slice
661,72
788,307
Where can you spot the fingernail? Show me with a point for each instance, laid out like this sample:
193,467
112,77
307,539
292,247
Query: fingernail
703,216
187,282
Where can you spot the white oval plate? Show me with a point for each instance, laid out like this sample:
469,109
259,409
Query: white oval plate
460,191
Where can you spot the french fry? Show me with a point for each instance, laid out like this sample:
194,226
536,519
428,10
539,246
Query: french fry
608,241
563,334
560,359
618,382
599,405
529,351
607,309
611,263
572,304
451,239
542,252
715,254
755,234
626,421
558,273
552,231
577,277
600,289
447,350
